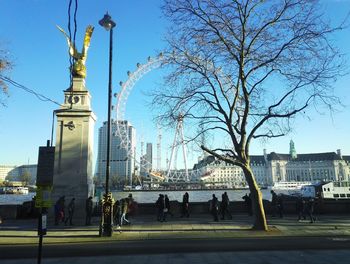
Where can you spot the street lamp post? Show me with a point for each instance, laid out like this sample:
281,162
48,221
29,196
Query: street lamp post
106,227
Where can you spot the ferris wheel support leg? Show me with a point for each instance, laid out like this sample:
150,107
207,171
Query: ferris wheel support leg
184,151
172,152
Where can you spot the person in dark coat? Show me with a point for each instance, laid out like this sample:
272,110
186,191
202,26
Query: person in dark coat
215,208
225,206
248,203
280,206
185,205
132,207
88,210
274,201
300,208
71,209
160,204
59,210
117,213
310,209
167,206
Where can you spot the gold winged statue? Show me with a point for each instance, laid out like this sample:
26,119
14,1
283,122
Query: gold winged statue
79,58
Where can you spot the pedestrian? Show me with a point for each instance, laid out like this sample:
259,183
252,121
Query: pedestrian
248,203
125,207
160,204
59,210
117,213
300,208
225,206
274,200
71,208
62,208
185,205
215,208
310,209
130,206
280,206
167,206
88,210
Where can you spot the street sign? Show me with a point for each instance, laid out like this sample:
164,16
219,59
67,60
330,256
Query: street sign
42,225
43,197
45,169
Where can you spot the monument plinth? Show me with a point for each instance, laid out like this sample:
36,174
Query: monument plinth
74,148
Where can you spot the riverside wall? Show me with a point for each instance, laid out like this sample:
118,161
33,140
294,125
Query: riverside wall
321,207
27,210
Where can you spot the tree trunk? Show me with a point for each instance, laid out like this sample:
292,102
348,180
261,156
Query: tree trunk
257,203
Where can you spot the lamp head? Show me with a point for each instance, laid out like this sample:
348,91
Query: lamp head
107,22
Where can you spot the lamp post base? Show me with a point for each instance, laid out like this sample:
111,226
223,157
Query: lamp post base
106,226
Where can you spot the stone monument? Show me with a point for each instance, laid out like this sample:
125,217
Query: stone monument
74,137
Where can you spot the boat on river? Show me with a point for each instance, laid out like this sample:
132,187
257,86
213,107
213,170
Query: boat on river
328,190
292,188
14,190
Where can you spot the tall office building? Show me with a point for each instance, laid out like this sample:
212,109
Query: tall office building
149,156
121,159
146,161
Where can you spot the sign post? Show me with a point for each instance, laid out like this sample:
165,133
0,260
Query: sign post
44,179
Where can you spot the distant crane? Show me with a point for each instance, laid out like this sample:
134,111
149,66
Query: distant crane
159,149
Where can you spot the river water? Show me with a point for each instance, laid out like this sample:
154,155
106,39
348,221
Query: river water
15,198
152,196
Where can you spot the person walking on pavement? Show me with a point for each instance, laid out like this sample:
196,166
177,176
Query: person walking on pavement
310,209
225,206
280,206
125,206
160,204
71,209
117,213
248,203
215,208
167,206
59,210
274,200
88,210
132,206
300,208
185,205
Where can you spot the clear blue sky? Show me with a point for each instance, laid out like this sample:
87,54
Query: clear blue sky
39,51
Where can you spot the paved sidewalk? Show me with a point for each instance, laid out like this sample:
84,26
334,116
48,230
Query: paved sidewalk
259,257
197,226
181,240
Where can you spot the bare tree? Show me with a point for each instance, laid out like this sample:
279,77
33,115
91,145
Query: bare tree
26,177
5,65
244,69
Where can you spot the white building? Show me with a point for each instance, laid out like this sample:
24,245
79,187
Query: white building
219,173
15,173
275,167
6,171
122,162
